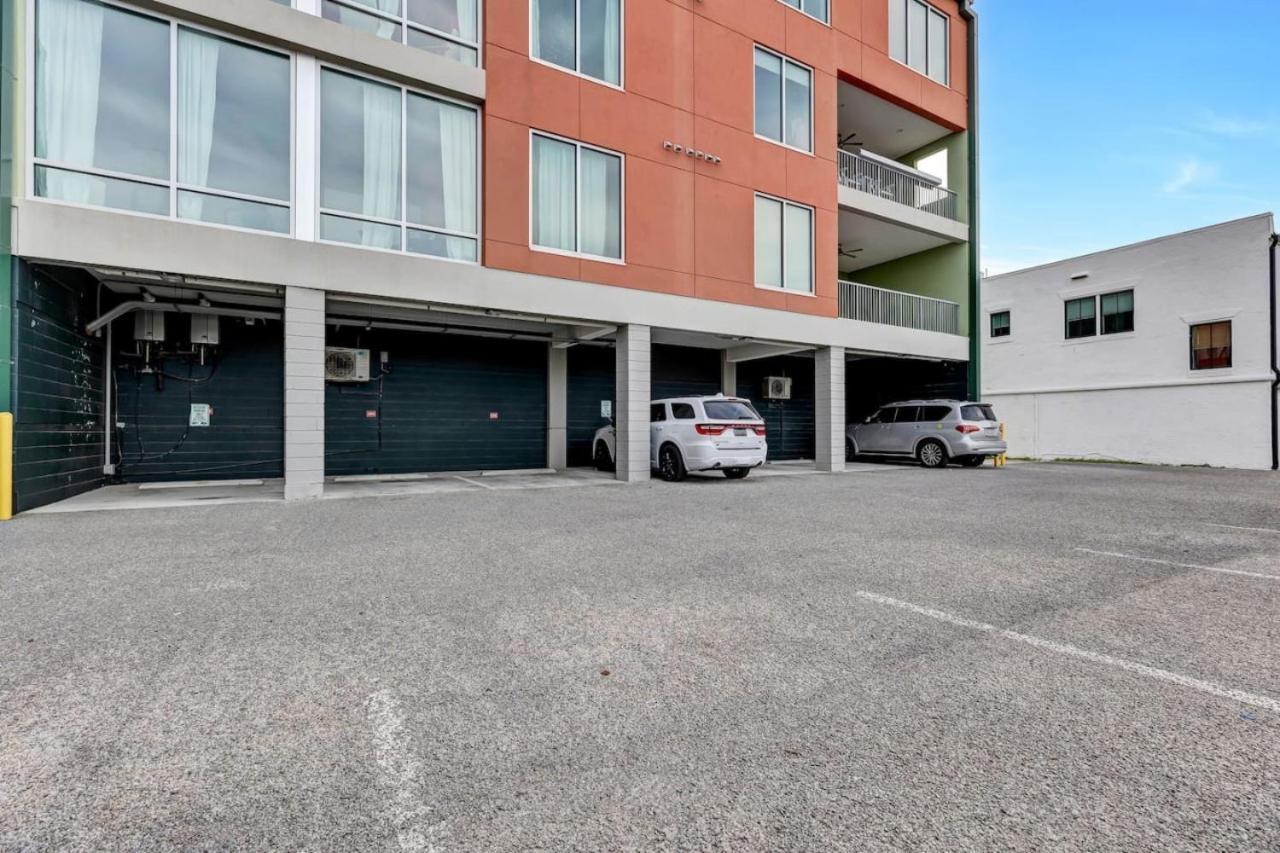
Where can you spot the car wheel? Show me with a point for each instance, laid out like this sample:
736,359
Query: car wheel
737,473
932,454
604,462
670,465
972,461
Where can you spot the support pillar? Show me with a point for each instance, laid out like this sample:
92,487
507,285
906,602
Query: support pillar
303,393
631,420
728,375
829,413
557,408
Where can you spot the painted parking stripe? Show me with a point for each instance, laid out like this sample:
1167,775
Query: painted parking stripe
1172,564
401,771
1164,675
475,483
1251,529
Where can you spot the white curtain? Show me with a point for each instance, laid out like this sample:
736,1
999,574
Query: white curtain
197,102
554,202
468,25
535,25
381,186
799,249
381,27
601,196
612,42
458,171
68,69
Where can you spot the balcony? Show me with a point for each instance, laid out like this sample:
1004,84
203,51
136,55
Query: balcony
895,308
881,177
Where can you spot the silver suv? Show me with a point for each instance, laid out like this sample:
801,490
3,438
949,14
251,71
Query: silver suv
933,431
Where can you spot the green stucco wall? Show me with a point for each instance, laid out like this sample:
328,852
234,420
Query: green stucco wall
942,273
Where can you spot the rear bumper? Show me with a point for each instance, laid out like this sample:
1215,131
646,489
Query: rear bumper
710,458
978,447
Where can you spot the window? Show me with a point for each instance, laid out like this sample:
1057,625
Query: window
730,410
576,194
657,412
784,245
1000,324
784,100
1117,312
981,412
107,119
1211,345
449,28
397,169
1082,317
918,37
907,415
934,413
583,36
683,412
812,8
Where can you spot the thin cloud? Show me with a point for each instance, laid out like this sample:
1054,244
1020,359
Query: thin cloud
1234,126
1190,173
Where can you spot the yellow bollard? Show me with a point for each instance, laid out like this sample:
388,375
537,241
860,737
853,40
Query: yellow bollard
6,466
1003,458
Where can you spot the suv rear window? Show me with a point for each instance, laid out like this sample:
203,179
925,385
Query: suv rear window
934,413
977,413
729,410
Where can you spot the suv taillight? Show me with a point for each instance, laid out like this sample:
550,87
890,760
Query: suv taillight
965,429
710,429
760,429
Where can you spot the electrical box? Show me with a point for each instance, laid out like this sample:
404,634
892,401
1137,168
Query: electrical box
777,388
204,329
148,326
346,365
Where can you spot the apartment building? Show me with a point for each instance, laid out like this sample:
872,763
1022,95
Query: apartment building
255,238
1161,352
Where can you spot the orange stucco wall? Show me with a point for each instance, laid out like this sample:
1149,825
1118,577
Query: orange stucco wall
688,78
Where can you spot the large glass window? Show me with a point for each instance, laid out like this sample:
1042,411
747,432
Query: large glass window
784,100
813,8
1000,325
1211,345
1081,317
398,169
106,118
784,245
583,36
919,37
576,198
449,28
1117,312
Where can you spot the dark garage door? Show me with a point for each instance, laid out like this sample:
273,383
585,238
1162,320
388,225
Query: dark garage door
445,403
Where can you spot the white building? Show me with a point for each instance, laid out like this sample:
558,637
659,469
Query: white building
1159,352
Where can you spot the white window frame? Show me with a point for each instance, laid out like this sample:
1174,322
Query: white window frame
906,31
824,22
403,223
577,48
782,92
577,194
402,20
813,240
171,184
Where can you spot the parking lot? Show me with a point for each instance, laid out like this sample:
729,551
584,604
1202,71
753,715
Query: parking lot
1078,656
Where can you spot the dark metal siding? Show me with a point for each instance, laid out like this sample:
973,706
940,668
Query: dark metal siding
243,382
58,390
431,410
872,382
790,422
685,371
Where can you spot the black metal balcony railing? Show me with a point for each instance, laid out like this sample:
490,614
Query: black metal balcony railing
875,177
895,308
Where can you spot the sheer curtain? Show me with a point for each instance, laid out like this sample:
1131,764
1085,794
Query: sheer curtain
458,172
554,194
197,103
612,42
380,196
601,198
68,67
383,29
535,26
468,25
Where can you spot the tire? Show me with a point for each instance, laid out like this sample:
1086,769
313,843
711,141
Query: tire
737,473
972,461
932,454
603,461
671,464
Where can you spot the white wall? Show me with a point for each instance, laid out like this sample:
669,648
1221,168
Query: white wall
1133,396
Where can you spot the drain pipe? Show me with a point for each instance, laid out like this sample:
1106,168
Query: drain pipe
108,469
1275,365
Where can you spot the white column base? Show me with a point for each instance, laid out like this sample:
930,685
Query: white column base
557,408
303,393
828,409
631,420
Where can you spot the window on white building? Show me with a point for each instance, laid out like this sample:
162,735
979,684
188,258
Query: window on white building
1211,345
449,28
576,198
919,37
784,245
1081,317
1117,312
398,169
582,36
784,100
1000,324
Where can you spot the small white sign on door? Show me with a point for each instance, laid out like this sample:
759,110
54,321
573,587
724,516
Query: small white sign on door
200,413
606,408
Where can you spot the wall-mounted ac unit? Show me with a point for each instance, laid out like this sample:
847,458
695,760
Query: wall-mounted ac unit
346,365
777,388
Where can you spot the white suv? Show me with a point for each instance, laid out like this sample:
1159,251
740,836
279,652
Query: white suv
696,434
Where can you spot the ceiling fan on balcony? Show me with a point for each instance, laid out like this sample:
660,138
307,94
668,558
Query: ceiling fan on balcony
849,141
851,254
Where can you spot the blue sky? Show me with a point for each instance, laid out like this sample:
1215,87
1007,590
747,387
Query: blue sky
1105,122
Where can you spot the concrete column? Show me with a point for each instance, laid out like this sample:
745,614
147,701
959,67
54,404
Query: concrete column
631,420
728,375
303,393
828,408
557,408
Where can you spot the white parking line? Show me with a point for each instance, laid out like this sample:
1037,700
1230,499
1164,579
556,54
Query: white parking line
1165,675
1180,565
399,768
1252,529
475,483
